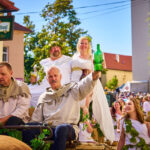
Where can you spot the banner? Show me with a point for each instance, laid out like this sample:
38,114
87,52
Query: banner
6,27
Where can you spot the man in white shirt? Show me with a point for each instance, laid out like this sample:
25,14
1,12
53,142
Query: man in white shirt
14,98
56,58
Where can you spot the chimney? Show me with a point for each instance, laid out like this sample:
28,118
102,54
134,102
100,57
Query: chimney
117,58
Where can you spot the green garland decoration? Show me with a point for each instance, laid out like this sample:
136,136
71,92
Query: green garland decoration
115,120
132,131
41,73
89,117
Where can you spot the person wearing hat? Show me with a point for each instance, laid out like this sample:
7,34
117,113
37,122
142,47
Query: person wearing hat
58,59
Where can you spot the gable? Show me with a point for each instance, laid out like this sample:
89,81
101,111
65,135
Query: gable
118,62
7,6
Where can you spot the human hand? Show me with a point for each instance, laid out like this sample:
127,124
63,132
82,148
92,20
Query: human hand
96,75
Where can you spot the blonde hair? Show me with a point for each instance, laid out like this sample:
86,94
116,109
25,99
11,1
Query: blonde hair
138,109
146,98
89,44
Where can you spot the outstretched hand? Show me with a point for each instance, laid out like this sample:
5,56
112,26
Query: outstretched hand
96,75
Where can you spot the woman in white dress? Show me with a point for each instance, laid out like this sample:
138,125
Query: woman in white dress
146,105
116,115
82,62
135,132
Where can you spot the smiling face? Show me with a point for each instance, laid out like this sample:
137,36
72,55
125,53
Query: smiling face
54,78
130,108
84,46
55,52
117,105
5,76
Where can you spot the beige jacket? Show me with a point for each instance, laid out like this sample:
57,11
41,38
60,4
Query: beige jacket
65,108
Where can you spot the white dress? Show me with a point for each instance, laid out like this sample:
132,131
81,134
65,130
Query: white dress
100,105
142,130
117,134
63,63
146,107
84,135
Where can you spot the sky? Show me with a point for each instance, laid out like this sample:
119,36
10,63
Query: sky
108,22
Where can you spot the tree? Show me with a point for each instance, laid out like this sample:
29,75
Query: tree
112,84
61,26
28,46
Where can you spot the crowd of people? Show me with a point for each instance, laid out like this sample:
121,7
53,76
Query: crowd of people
70,87
131,120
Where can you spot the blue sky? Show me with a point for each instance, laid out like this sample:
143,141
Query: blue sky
107,21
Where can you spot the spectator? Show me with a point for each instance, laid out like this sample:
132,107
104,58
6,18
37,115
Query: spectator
135,133
146,105
116,115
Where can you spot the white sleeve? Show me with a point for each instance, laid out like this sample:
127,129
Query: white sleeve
146,107
83,87
37,114
22,106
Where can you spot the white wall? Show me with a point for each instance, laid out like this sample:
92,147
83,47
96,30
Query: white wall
140,39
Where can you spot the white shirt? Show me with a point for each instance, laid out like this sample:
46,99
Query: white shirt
63,63
117,135
15,106
146,106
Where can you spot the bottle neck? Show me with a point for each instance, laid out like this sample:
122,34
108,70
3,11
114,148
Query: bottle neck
98,48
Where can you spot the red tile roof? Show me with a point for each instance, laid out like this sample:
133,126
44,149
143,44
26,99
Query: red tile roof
8,6
21,28
118,62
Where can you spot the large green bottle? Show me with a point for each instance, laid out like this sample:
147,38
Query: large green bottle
98,59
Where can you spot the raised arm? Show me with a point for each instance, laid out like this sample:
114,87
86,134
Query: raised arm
122,140
85,86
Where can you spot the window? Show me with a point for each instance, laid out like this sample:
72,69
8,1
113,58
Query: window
5,54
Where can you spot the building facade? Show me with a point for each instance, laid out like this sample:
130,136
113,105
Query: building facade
12,51
119,66
140,10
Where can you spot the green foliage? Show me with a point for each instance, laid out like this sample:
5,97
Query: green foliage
29,44
39,143
100,133
89,117
125,147
11,132
115,127
131,130
112,84
61,25
83,118
104,71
